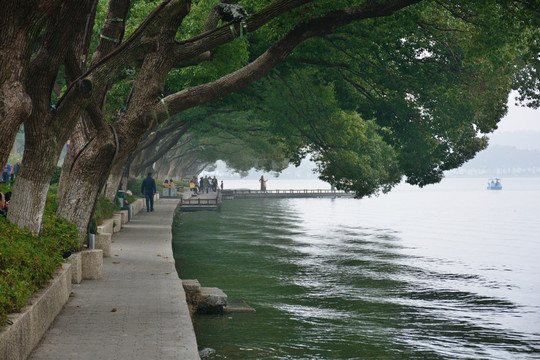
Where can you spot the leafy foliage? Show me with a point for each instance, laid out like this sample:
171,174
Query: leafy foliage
28,261
134,185
105,209
421,88
430,81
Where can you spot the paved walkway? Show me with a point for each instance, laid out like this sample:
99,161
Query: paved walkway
138,310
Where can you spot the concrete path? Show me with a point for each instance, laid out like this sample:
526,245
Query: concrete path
138,310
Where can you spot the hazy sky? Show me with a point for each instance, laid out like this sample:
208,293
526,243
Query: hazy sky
520,119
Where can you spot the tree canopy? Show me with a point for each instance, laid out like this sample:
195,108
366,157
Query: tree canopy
376,90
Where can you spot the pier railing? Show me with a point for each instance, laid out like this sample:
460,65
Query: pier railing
199,201
241,193
289,191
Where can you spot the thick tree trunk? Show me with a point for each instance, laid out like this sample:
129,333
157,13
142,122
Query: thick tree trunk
30,191
15,106
83,185
76,144
21,22
45,131
114,180
28,202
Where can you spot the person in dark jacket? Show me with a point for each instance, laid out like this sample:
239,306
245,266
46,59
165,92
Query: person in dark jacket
148,188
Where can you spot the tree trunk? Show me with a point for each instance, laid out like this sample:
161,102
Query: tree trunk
76,144
114,180
83,185
30,191
15,106
20,23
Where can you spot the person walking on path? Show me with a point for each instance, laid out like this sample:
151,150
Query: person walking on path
148,188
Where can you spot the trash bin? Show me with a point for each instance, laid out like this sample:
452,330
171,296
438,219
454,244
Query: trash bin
91,238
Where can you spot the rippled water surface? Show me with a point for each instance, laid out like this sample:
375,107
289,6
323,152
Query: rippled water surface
450,271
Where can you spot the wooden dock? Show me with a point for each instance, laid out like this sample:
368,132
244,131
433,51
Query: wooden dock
281,194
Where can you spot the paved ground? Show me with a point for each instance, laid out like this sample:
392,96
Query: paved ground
138,310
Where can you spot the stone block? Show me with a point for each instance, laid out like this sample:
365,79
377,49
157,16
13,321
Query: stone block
103,242
106,227
28,326
137,206
125,216
191,286
192,289
76,267
117,221
212,300
92,264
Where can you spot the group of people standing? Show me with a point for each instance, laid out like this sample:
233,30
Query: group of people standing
169,184
206,183
11,172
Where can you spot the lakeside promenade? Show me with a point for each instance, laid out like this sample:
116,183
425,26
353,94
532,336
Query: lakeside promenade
137,311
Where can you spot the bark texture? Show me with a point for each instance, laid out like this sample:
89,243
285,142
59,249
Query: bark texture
20,23
85,181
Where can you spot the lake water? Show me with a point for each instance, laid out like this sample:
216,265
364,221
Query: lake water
451,271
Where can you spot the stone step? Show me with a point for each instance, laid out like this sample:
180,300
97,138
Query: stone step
191,286
237,306
212,300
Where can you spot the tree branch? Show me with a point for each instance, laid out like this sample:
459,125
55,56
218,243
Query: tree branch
277,53
165,147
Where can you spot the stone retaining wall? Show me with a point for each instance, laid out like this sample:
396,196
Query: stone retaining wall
92,264
76,268
28,326
117,222
124,216
107,227
137,206
103,241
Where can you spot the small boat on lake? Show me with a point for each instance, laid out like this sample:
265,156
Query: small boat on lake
494,184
